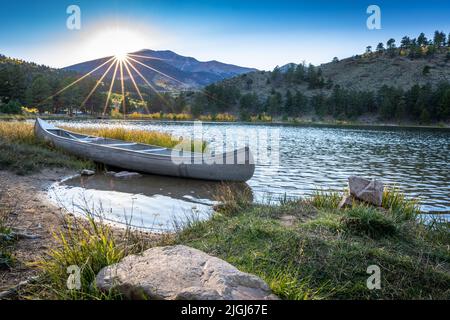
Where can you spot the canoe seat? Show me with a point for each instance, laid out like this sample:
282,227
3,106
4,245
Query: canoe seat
153,150
87,139
121,144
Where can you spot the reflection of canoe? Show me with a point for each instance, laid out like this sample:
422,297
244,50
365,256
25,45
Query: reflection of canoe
237,165
151,185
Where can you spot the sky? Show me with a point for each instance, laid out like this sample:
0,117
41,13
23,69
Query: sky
259,34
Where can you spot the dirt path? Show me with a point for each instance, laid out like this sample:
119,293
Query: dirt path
31,213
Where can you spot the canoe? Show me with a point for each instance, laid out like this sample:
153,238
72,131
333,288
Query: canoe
237,165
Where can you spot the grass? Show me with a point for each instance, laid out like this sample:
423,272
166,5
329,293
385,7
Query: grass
140,136
91,245
23,154
87,245
327,255
324,254
6,240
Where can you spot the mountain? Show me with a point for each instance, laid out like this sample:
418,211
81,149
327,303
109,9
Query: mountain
175,71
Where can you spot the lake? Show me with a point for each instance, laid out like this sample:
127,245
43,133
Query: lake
291,161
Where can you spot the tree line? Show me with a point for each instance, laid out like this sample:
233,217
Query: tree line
419,104
414,47
26,84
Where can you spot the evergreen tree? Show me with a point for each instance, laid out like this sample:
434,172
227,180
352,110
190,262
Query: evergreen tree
38,94
288,104
380,47
422,40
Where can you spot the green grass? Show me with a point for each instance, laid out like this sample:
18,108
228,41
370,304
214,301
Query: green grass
327,255
324,254
90,244
87,245
23,154
25,159
6,240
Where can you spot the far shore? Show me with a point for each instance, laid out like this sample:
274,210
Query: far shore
296,123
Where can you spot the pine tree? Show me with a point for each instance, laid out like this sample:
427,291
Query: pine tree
422,40
380,47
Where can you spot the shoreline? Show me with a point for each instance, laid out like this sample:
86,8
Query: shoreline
31,213
319,124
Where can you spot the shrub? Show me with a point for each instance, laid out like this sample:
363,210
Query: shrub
12,107
368,221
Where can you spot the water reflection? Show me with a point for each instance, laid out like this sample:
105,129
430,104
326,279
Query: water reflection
415,160
150,202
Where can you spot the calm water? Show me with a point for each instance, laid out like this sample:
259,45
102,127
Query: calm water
302,159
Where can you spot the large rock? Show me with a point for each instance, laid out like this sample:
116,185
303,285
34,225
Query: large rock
180,273
370,191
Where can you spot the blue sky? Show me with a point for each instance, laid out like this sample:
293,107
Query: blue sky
260,34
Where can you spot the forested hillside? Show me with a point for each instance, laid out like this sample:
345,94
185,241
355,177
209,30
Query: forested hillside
26,84
405,82
31,85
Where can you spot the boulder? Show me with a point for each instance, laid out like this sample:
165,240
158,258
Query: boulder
370,191
87,172
127,175
180,273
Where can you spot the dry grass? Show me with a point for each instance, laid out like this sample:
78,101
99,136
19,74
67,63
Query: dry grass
17,131
139,136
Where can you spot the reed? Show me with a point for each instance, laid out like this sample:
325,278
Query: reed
325,199
397,203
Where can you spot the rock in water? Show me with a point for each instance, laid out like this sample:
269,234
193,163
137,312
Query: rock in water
127,175
87,172
110,173
370,191
180,273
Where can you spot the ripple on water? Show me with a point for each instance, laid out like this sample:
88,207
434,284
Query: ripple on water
415,160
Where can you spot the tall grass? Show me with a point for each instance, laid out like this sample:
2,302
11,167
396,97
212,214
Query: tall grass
18,132
397,203
232,200
22,153
139,136
325,199
90,244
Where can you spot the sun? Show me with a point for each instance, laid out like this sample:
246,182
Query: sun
116,42
121,56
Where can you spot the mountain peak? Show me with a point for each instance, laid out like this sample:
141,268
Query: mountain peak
188,70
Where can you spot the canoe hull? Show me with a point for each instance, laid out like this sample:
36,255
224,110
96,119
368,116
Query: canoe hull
204,169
